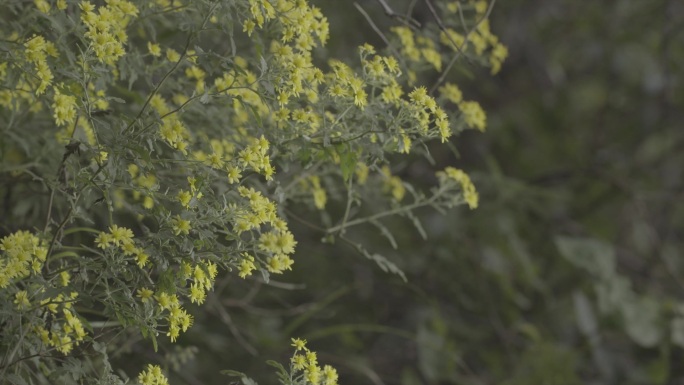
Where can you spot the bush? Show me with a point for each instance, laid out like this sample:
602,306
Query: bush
149,146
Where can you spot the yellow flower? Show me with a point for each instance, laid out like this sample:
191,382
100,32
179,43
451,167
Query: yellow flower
246,265
180,225
21,300
172,55
103,240
152,376
329,375
64,107
298,362
141,258
299,344
470,195
197,294
473,114
184,198
451,92
361,173
145,295
393,185
154,49
65,278
42,6
121,235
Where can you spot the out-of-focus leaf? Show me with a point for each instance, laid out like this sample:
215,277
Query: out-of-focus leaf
597,257
642,321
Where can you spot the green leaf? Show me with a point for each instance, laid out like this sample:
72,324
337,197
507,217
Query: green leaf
642,321
281,370
116,100
204,99
232,373
348,160
595,256
419,226
257,117
386,233
586,319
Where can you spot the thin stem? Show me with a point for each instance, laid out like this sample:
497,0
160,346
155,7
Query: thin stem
390,12
173,69
383,214
460,52
376,29
349,203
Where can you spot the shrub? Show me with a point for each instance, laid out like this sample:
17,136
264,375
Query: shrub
149,146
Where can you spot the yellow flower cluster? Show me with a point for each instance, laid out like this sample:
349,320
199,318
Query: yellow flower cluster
417,49
247,265
393,184
361,173
305,362
172,130
196,73
255,157
408,43
64,107
451,92
107,28
278,244
152,376
261,211
122,238
301,28
179,319
481,39
344,83
23,253
68,331
203,276
469,193
381,71
473,114
146,183
36,51
241,83
426,110
44,5
313,184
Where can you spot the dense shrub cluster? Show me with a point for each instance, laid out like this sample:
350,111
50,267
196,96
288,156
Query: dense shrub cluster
150,146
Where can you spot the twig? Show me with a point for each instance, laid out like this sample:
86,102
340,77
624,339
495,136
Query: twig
383,214
460,52
225,317
175,66
376,29
390,12
443,28
60,169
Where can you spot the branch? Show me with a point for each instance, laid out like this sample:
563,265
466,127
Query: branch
390,12
460,52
